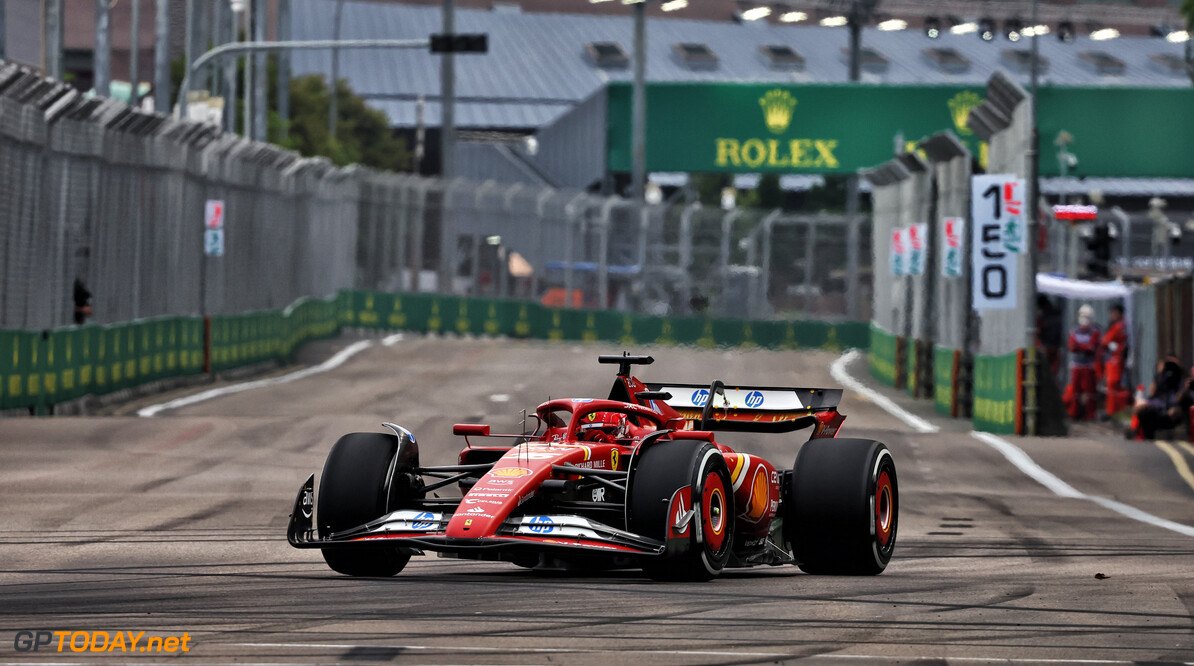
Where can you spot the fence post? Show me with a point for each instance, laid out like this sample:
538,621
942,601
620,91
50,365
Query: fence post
604,227
686,252
853,241
540,264
570,214
762,307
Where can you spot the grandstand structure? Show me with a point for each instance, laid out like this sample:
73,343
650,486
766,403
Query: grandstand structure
548,73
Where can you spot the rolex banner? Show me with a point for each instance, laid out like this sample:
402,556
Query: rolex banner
840,128
782,128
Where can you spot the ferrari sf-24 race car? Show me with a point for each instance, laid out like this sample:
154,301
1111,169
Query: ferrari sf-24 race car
637,480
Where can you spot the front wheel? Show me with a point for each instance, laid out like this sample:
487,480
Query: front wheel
680,492
353,490
843,507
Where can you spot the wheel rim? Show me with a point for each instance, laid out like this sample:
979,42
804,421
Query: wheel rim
713,512
884,509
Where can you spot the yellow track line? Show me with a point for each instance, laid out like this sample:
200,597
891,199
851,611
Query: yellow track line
1179,461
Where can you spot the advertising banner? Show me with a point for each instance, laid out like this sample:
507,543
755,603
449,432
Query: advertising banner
997,238
952,230
899,251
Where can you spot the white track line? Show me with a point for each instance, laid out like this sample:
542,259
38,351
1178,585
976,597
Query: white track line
391,340
839,373
520,650
334,362
1014,454
700,653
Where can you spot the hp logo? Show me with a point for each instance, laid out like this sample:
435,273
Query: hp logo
541,524
754,399
700,397
423,521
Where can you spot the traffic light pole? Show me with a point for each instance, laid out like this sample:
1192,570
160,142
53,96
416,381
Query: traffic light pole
447,82
1032,224
638,121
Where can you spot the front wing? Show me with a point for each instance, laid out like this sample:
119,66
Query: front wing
424,530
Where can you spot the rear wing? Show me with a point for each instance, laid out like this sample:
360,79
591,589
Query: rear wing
770,409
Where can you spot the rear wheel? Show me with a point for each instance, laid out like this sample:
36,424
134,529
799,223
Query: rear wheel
353,490
657,500
843,507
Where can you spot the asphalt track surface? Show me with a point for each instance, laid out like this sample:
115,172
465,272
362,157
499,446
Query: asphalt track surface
175,524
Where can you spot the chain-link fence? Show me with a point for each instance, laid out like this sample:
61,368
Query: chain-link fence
116,198
95,191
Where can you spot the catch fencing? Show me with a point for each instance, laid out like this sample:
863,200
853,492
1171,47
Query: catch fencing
514,241
97,191
117,198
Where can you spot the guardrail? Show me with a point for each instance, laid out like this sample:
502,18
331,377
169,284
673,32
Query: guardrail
39,369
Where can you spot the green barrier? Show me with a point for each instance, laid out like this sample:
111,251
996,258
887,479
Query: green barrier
997,393
190,360
73,362
53,346
430,313
132,351
911,367
8,370
882,353
21,381
944,376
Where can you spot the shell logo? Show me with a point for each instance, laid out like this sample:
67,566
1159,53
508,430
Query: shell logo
760,495
509,472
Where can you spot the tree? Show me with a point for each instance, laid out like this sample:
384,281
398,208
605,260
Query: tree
1188,12
363,135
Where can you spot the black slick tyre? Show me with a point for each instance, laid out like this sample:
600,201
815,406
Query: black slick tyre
842,508
659,472
353,491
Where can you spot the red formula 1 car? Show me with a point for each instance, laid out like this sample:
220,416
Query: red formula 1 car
637,480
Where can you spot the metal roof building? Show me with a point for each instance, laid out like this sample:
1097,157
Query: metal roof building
541,69
538,66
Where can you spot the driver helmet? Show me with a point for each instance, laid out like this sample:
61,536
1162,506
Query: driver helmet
611,424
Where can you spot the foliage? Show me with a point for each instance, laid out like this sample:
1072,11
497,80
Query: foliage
363,135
